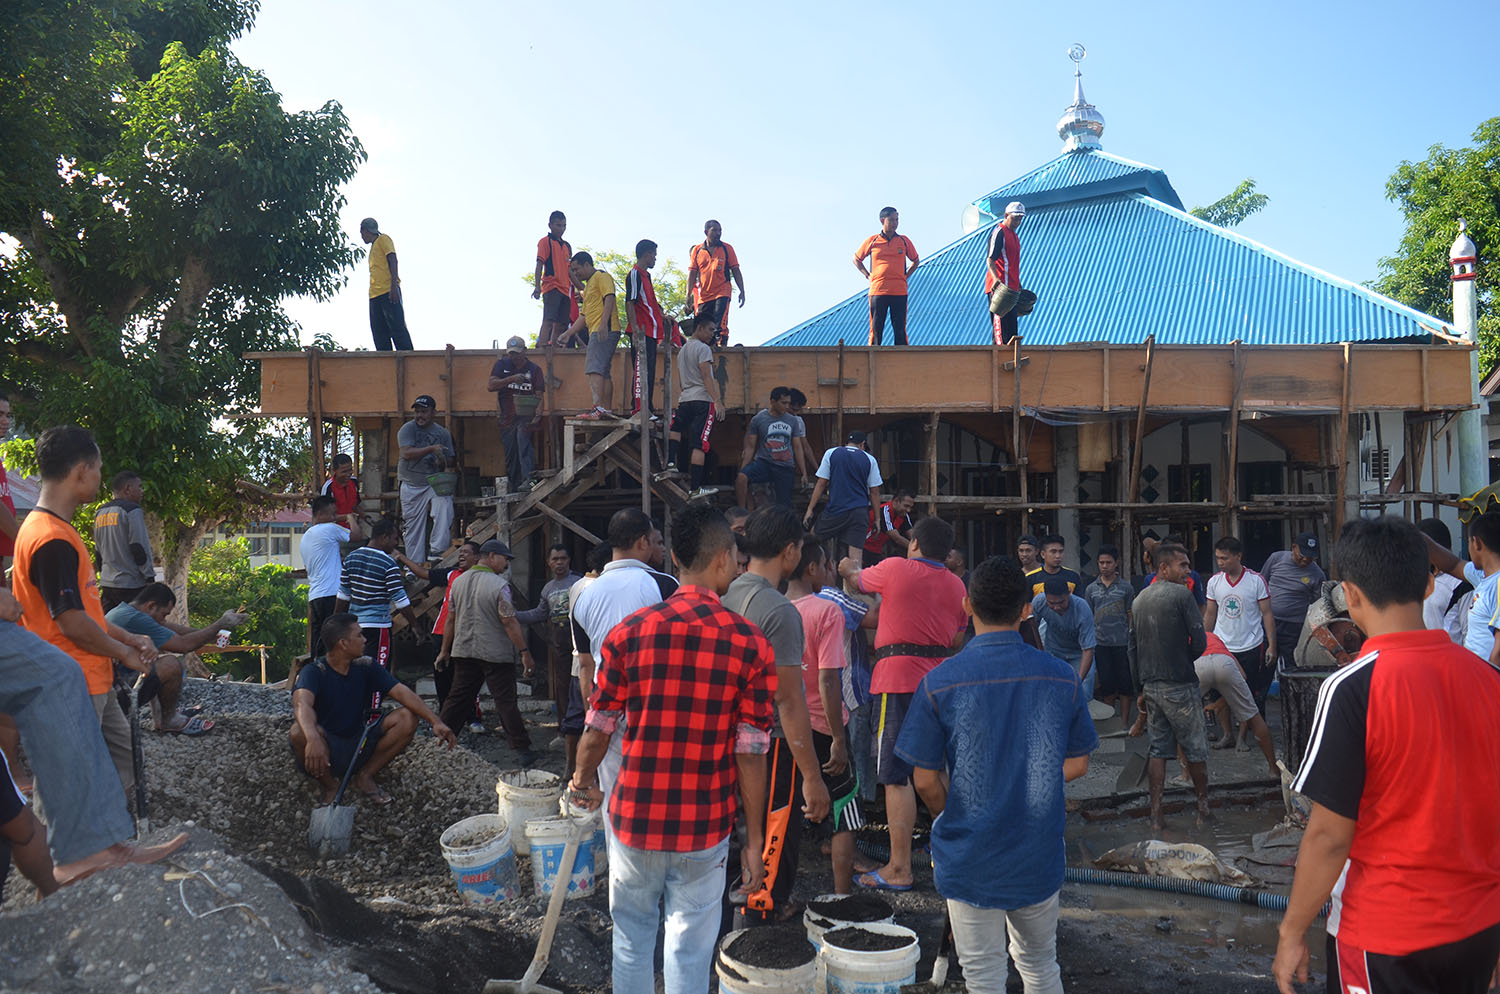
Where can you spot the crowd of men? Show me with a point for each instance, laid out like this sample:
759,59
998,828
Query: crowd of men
579,305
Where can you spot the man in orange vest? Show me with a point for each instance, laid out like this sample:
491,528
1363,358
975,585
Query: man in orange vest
55,582
711,265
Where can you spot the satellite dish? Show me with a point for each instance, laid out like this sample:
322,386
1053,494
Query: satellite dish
973,218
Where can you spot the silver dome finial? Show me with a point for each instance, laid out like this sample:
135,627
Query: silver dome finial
1081,124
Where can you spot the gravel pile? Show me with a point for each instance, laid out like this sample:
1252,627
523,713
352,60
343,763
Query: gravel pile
154,929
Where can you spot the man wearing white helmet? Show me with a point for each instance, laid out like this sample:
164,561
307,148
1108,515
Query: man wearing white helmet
1003,268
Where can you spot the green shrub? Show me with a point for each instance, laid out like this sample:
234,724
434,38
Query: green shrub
221,579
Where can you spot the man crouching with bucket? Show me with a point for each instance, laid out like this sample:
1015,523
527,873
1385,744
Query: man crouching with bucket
332,698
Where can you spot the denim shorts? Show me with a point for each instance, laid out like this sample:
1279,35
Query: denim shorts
1176,719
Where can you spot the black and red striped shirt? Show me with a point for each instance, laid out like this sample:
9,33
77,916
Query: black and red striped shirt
695,683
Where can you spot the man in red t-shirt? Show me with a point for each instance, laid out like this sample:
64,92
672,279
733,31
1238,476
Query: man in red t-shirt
922,620
342,487
1003,266
1403,769
648,326
711,265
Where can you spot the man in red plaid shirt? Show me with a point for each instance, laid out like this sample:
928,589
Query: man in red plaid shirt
694,684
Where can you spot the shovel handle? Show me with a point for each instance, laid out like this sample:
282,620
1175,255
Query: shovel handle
354,760
554,911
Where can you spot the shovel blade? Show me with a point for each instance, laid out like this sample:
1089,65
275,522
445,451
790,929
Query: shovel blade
330,829
517,987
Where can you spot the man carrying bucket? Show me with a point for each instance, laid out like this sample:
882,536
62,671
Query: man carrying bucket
693,683
992,733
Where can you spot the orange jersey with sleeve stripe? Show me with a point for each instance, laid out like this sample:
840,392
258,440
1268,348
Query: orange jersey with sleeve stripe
37,567
889,259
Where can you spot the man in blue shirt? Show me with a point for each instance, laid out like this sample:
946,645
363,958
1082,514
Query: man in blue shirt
851,478
1482,571
1067,627
1007,725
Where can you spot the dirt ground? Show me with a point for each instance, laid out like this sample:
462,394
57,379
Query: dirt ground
389,912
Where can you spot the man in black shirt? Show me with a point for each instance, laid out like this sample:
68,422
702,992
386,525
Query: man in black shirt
1052,557
330,705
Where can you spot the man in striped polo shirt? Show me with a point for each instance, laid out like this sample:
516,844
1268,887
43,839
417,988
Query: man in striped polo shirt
370,587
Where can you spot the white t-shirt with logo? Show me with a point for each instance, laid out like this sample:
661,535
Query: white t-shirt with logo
1238,622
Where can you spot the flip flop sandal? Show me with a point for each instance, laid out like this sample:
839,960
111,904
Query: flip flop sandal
377,797
192,728
874,881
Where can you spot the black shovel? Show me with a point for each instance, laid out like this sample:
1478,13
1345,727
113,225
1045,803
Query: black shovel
332,825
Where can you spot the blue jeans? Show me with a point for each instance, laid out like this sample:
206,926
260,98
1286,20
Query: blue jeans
692,885
520,455
1088,681
42,688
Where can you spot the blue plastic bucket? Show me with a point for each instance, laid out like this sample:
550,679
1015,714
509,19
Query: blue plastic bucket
480,858
548,836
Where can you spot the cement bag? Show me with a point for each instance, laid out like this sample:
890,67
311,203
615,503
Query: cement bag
1182,860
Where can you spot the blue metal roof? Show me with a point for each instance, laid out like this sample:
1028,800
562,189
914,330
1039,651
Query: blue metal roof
1119,268
1076,175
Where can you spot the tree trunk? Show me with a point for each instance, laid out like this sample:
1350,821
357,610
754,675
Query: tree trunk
175,543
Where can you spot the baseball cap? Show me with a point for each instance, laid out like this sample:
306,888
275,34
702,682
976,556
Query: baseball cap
1307,544
1015,207
856,437
495,547
516,344
424,401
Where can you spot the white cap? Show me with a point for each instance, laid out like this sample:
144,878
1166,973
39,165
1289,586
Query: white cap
1015,207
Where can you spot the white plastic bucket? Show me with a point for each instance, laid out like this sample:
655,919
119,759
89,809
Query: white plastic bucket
817,924
527,794
849,971
479,857
736,977
547,837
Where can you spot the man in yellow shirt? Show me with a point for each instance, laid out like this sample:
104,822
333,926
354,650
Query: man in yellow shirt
387,317
600,320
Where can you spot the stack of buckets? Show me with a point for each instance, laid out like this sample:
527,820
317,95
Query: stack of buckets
851,971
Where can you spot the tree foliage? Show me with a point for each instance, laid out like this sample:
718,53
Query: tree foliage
1231,209
1449,184
222,579
162,203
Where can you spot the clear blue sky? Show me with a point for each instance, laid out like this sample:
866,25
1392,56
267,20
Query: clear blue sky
793,123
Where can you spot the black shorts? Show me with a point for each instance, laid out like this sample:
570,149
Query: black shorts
1113,664
319,610
572,721
843,788
556,306
693,422
1462,967
12,806
848,528
341,749
890,712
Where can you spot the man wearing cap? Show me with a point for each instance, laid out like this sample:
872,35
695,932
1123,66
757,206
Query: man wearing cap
426,448
1003,267
1067,623
851,478
518,384
1295,582
889,255
481,641
387,316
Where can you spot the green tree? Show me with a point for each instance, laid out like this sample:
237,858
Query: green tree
669,280
1233,208
222,579
164,204
1449,184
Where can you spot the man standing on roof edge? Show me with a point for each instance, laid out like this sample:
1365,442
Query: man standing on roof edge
711,264
387,314
1003,267
888,253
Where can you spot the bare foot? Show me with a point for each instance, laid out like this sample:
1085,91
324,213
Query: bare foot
1242,746
117,855
1225,743
1204,815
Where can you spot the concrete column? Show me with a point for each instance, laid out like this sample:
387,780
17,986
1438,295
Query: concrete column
1065,447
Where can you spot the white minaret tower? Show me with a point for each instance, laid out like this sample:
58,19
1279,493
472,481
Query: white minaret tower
1473,452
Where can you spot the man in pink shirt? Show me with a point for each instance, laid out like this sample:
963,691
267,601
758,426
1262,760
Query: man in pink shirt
922,619
822,679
